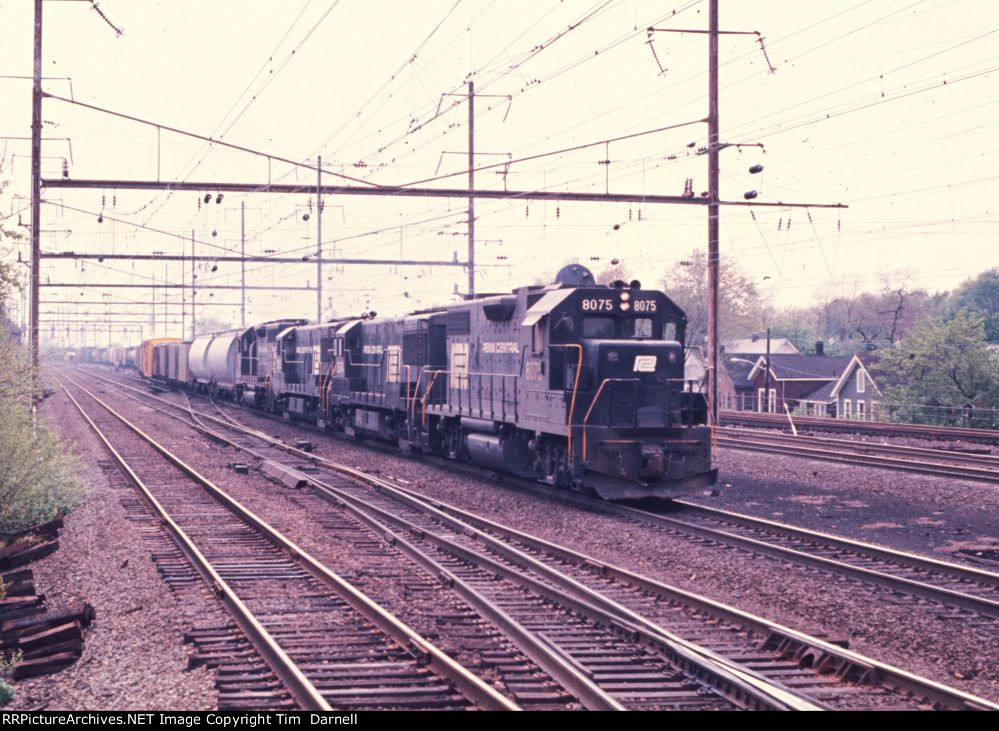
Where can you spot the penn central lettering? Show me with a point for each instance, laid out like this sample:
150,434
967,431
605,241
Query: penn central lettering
502,347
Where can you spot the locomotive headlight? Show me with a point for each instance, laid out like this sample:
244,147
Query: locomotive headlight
625,306
625,296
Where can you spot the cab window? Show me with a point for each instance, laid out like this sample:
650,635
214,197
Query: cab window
637,327
598,327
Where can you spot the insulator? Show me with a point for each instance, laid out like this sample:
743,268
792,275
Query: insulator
750,194
218,199
558,211
214,233
305,216
208,197
756,169
629,213
100,218
615,261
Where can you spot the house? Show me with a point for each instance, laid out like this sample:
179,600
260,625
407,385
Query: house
735,390
815,385
757,344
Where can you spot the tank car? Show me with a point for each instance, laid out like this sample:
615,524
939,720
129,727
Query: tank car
212,363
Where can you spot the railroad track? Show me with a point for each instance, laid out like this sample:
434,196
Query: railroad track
935,462
921,431
816,672
298,635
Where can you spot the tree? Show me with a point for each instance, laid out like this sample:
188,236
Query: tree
10,277
980,295
942,372
876,319
739,302
209,325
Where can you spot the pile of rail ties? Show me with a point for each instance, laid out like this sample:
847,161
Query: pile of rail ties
45,642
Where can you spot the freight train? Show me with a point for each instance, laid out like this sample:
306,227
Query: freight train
573,384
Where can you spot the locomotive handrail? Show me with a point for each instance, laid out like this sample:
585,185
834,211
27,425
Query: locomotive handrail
593,403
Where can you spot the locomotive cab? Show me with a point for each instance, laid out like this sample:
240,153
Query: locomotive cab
634,427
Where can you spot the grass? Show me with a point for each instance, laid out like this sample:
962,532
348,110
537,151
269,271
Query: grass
37,479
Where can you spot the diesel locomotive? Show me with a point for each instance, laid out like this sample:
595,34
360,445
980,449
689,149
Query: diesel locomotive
574,384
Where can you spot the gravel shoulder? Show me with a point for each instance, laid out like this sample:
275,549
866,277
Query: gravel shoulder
134,656
954,520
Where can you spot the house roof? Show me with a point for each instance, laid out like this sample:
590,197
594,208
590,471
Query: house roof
822,393
738,366
846,374
759,345
800,366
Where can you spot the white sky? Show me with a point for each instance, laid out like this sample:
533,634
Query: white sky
857,112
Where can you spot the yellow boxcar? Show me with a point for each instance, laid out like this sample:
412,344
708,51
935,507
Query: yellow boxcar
146,354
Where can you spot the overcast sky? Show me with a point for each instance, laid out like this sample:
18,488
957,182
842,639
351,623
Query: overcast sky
887,106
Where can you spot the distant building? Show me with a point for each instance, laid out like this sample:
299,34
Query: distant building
758,344
839,386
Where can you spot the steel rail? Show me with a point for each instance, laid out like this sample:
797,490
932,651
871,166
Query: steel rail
946,456
925,431
472,686
565,672
744,687
822,651
939,594
927,563
300,687
787,554
937,469
934,469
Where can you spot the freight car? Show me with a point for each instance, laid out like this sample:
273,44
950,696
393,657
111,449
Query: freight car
146,353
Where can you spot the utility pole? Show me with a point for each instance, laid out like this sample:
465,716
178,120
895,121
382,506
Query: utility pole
152,305
766,377
714,228
183,292
36,190
319,239
193,277
471,188
242,264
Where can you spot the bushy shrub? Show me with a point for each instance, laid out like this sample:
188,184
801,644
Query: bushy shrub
37,479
